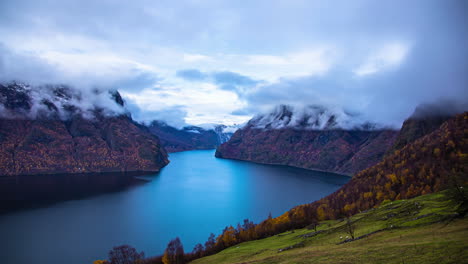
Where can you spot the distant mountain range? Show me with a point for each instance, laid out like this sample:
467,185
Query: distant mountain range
312,137
191,137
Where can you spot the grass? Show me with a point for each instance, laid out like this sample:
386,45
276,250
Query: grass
420,230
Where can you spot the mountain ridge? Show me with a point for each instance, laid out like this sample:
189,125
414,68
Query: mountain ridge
318,143
59,131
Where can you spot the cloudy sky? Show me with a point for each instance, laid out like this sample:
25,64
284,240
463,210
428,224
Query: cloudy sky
214,61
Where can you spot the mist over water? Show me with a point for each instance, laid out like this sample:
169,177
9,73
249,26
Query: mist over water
196,194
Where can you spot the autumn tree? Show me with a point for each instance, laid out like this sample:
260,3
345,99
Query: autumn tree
100,261
228,237
247,231
125,254
174,253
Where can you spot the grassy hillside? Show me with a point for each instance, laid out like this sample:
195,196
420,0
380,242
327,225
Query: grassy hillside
420,230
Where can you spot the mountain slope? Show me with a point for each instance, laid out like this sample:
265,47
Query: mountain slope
427,165
62,133
309,141
411,231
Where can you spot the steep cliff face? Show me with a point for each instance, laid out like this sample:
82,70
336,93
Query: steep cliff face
189,137
54,130
312,141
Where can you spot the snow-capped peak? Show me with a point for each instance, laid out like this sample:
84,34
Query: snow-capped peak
313,117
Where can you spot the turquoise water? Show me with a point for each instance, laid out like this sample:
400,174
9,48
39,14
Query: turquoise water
196,194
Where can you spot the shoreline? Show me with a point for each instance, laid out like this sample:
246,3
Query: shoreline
290,166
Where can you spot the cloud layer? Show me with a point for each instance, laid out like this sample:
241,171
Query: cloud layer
378,58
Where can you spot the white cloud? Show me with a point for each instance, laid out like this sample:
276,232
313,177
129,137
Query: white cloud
93,63
385,57
328,52
203,102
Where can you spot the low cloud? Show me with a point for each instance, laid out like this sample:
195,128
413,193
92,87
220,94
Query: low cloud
88,91
444,107
173,116
26,68
57,101
313,117
110,73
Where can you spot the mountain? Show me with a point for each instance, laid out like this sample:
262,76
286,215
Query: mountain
56,129
190,137
312,138
431,163
424,120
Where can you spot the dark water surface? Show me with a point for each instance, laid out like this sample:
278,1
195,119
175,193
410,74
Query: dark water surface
196,194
